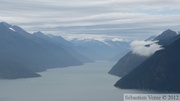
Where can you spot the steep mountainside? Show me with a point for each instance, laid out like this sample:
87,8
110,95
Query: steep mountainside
159,72
12,70
132,60
126,64
32,52
58,40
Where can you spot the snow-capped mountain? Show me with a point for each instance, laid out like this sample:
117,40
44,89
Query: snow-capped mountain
101,49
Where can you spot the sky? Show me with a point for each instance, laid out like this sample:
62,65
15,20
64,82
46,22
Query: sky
129,19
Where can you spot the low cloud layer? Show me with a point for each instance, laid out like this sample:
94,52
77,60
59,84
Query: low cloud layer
145,48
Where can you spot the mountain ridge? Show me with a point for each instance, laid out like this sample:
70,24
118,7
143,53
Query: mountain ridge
100,50
30,52
131,60
160,72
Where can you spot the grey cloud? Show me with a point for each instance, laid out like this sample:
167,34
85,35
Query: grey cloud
111,17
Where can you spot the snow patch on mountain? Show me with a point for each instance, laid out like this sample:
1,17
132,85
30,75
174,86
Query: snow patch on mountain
117,39
12,29
92,37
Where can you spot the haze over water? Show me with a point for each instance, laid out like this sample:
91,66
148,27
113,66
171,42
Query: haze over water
89,82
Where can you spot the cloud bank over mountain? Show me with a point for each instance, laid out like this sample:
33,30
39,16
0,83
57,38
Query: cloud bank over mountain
145,48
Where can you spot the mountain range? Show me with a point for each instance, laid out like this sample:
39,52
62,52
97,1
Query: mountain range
31,53
107,49
131,60
61,42
23,54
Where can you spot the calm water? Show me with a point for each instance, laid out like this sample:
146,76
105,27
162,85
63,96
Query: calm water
89,82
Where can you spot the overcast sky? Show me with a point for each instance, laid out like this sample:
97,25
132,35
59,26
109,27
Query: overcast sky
136,19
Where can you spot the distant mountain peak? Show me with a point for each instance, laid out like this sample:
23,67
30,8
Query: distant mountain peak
166,34
169,31
38,33
5,24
